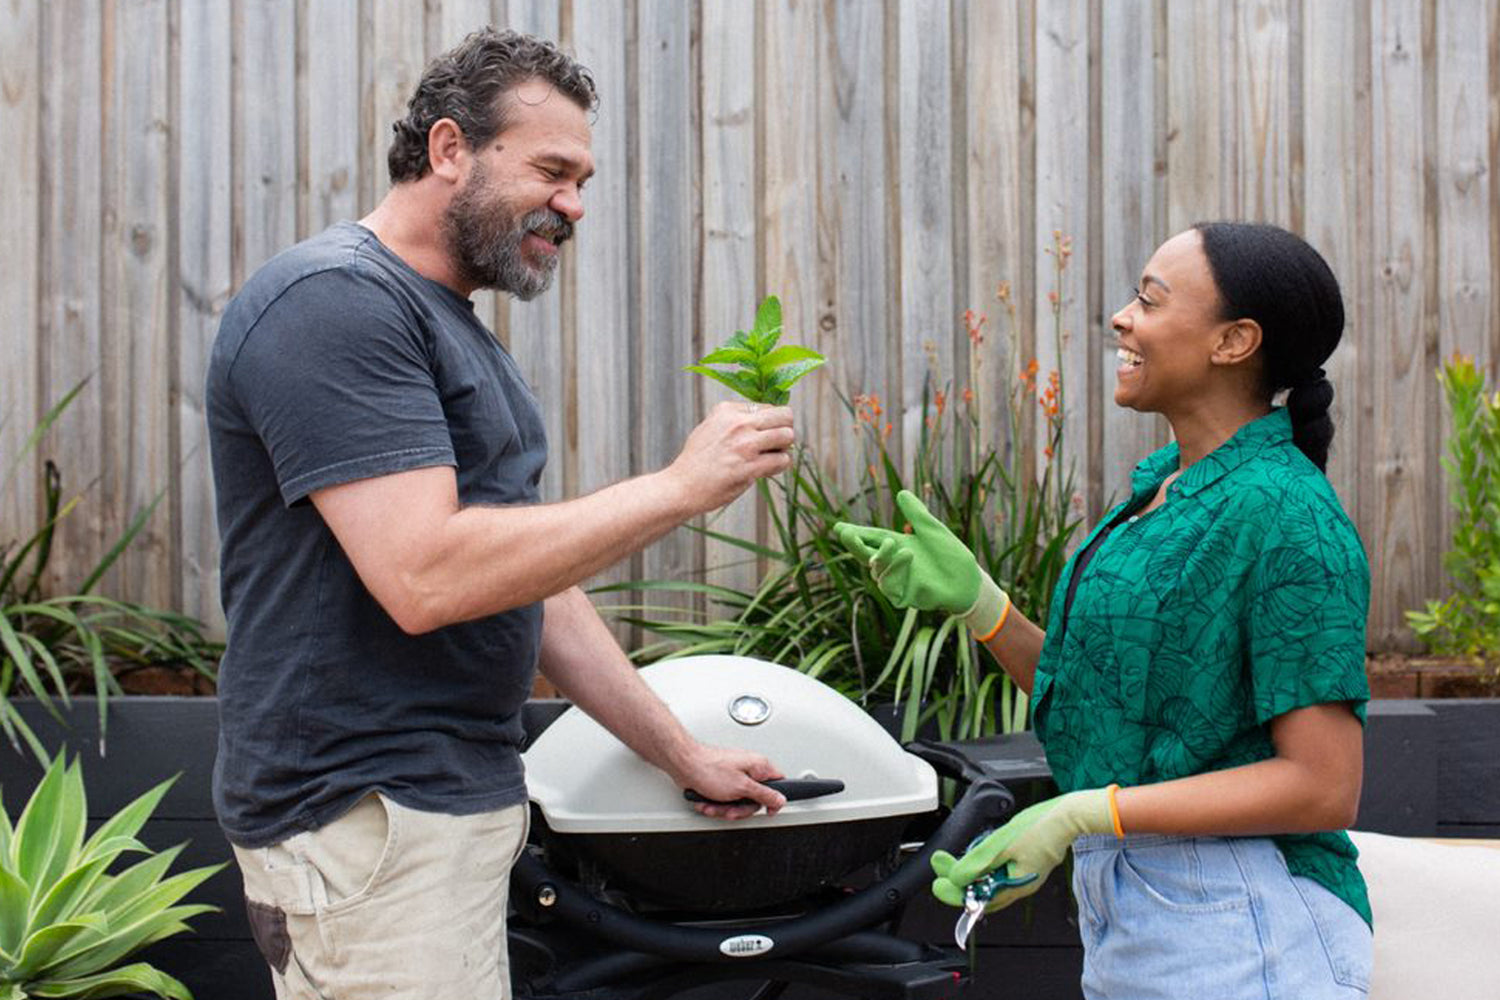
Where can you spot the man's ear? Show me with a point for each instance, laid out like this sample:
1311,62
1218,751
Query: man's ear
1238,342
447,150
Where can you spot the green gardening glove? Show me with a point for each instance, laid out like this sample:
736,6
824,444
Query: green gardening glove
1034,841
928,569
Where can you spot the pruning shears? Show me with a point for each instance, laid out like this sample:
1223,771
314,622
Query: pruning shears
983,889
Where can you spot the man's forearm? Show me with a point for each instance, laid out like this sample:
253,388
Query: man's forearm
581,657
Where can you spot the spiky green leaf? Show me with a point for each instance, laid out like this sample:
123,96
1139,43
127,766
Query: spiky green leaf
137,978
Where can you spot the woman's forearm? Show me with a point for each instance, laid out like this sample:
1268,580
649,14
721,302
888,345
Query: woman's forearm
1312,784
1017,647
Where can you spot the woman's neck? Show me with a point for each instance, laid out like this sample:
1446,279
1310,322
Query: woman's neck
1202,429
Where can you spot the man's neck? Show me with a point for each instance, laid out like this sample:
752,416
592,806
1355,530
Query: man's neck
409,222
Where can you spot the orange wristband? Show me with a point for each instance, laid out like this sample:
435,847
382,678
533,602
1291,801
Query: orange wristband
1114,810
999,624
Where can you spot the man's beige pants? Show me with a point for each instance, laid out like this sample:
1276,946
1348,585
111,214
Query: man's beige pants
387,902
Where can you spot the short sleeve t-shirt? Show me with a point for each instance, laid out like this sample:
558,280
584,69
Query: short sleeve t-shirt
1190,627
338,362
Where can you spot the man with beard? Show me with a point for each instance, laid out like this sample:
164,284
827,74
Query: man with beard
389,577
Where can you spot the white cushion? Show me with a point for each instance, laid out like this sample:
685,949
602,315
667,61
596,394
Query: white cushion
1437,917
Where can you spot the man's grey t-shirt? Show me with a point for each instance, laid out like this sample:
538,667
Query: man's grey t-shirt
338,362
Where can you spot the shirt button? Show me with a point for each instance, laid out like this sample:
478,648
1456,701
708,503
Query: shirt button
1134,518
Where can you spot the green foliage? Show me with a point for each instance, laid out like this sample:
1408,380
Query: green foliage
1467,623
51,645
66,921
817,607
763,372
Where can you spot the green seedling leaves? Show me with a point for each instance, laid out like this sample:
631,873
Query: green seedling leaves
763,372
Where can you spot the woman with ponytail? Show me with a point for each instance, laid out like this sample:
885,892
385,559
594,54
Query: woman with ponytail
1199,686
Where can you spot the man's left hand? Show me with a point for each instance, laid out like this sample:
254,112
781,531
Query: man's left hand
727,774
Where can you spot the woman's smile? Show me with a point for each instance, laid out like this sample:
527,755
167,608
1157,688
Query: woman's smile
1129,361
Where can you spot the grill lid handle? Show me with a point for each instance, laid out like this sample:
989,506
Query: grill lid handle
795,789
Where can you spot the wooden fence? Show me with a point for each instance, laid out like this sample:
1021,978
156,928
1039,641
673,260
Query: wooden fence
881,167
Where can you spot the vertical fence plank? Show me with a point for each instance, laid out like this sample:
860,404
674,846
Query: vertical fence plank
1464,220
536,336
790,264
727,293
855,236
1064,341
601,258
72,276
20,128
1198,136
663,252
1332,136
1263,59
204,281
1402,570
332,109
997,242
1128,97
266,94
929,316
397,53
136,346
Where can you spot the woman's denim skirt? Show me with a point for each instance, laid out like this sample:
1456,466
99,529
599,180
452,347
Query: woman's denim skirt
1211,918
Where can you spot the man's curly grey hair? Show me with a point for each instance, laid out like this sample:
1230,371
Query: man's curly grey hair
469,83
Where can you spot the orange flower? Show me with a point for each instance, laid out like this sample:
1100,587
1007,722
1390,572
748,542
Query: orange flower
941,400
1047,451
1003,292
887,432
969,397
975,323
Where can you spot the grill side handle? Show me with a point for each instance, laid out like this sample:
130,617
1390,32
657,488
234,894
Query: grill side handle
985,804
946,760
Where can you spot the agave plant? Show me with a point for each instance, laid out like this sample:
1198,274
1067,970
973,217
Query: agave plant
53,643
65,920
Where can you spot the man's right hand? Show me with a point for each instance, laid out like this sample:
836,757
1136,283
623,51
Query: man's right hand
735,445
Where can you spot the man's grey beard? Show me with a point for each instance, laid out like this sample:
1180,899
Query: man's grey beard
486,243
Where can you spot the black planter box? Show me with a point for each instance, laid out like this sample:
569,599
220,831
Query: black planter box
1432,768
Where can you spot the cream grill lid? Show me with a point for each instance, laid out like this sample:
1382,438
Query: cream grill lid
586,781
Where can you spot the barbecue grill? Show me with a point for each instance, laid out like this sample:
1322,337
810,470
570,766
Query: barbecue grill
625,893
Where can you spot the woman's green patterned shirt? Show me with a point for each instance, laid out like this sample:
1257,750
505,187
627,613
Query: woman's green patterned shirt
1243,596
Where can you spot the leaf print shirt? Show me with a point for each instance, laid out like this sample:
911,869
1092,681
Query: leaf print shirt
1240,598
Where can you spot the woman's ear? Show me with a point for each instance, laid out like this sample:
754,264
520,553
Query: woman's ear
447,149
1237,343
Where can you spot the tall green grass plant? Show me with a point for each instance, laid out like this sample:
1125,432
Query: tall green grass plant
55,644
